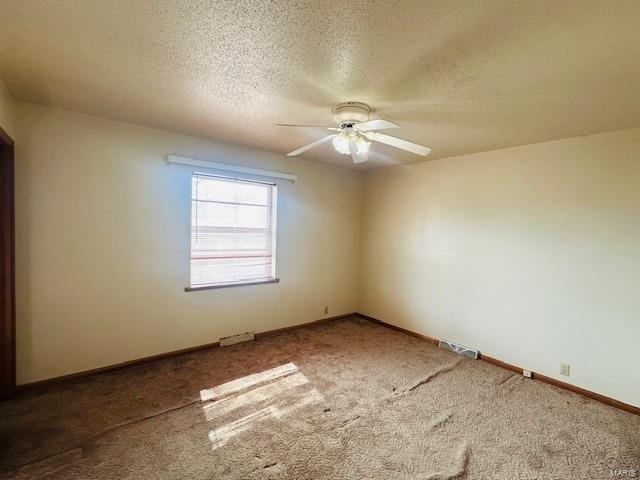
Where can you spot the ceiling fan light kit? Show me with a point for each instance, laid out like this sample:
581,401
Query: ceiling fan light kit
351,113
354,130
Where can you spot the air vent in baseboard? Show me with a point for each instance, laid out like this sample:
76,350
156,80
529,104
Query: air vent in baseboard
232,340
457,348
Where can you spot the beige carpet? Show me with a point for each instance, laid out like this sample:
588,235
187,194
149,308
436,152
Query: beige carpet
347,400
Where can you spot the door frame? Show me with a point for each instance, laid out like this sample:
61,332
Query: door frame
7,269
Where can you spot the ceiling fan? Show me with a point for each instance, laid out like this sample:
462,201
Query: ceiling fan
354,132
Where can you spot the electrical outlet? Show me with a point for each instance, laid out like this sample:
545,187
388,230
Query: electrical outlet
326,310
564,369
526,373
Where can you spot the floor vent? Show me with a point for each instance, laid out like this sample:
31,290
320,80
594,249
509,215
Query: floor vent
232,340
457,348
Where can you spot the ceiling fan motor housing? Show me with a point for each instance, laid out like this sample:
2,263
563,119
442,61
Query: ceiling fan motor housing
350,113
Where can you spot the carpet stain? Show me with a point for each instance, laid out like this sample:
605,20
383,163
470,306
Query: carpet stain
347,421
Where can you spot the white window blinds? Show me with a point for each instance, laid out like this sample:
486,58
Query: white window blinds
233,231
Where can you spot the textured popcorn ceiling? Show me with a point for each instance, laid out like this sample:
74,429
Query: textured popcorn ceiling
459,77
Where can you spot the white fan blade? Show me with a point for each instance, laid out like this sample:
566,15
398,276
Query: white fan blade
398,143
311,145
375,125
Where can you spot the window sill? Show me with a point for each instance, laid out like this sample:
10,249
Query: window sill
226,285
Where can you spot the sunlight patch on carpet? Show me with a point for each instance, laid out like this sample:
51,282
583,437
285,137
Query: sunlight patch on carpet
247,381
221,435
228,404
284,389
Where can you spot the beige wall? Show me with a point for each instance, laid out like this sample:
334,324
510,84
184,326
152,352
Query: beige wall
103,245
531,254
7,108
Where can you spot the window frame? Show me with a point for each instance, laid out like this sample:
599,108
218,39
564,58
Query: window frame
274,209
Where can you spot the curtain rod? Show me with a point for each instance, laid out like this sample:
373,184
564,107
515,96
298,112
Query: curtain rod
178,160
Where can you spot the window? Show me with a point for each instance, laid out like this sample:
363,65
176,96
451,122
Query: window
233,231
